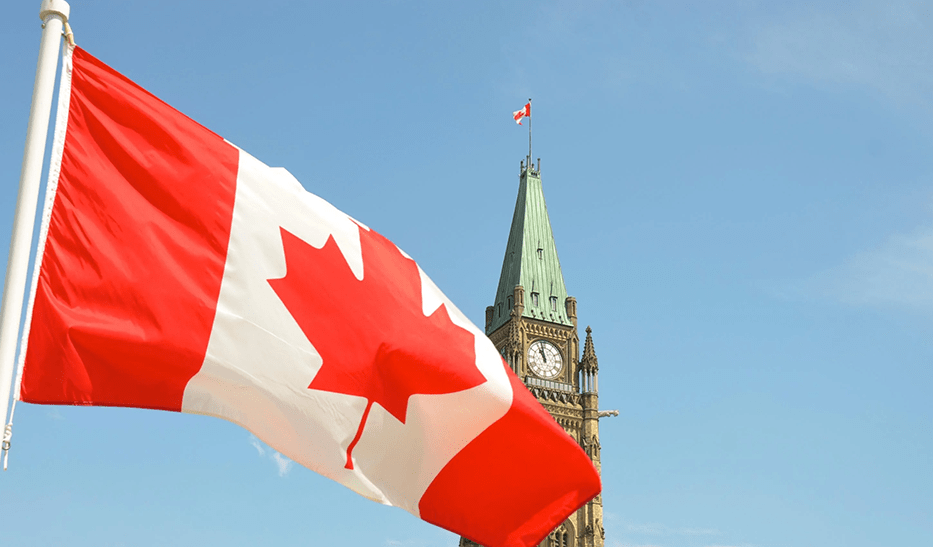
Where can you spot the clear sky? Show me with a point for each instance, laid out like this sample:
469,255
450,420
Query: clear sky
742,201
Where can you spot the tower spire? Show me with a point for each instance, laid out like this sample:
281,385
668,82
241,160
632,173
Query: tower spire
530,260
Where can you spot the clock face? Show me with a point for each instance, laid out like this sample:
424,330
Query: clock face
544,359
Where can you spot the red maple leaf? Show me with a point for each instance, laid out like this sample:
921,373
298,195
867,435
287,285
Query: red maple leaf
372,334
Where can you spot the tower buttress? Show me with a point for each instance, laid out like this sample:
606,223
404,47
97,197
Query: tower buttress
589,370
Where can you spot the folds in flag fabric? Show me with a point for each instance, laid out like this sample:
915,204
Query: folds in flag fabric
525,112
177,272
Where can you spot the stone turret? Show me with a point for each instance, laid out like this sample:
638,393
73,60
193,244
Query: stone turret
589,439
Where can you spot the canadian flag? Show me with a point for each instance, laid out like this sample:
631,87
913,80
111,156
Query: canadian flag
177,272
525,112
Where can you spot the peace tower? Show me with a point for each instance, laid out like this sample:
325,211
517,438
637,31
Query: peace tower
533,324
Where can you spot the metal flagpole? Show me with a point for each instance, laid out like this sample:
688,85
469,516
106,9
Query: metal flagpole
54,15
529,132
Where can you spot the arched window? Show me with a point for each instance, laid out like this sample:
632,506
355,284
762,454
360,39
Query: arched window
560,538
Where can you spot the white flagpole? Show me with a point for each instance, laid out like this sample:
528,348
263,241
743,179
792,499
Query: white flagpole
54,15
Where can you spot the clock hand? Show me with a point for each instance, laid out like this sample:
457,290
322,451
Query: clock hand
543,355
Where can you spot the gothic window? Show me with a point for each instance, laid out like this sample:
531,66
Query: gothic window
540,254
534,299
553,303
559,538
510,302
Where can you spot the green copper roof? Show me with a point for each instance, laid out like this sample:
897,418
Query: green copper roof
531,260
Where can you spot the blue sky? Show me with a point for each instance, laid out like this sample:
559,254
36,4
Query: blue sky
742,201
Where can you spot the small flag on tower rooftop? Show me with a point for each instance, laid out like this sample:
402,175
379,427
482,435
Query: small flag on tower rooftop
525,112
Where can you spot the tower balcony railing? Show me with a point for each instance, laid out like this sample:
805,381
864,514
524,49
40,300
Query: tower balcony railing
549,389
549,384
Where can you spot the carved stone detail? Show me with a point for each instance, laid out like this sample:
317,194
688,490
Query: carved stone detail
544,394
558,333
564,411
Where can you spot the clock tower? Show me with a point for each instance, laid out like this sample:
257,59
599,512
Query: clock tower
533,324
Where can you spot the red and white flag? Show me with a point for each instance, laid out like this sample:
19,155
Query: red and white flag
177,272
525,112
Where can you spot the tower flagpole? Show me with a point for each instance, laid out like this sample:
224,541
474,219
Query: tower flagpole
529,132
